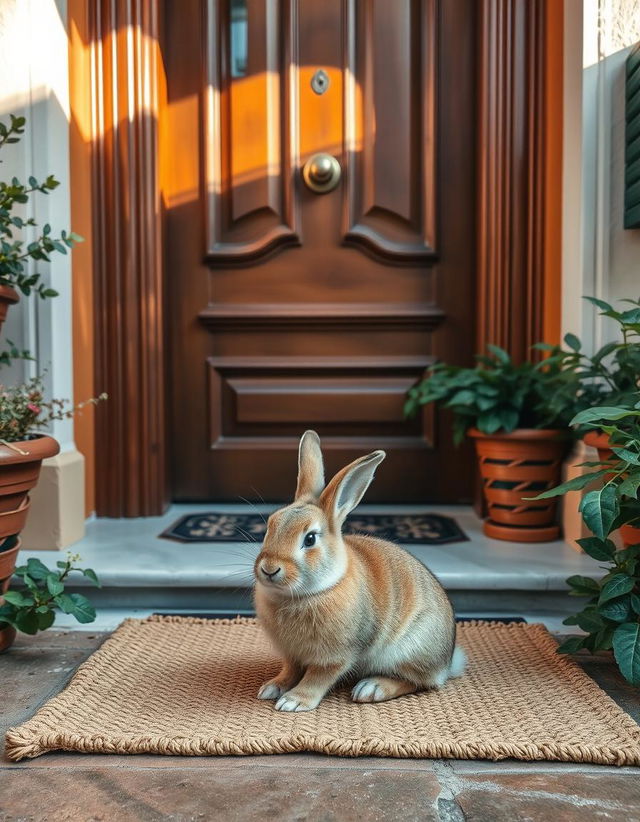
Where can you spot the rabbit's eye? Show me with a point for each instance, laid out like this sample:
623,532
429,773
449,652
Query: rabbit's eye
310,540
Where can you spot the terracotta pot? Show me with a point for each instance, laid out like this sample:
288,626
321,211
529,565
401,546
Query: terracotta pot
7,637
8,296
517,465
20,468
599,441
630,535
7,567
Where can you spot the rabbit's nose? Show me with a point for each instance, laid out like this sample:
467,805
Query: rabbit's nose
270,574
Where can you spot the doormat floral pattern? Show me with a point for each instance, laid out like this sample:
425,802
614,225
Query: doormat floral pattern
407,529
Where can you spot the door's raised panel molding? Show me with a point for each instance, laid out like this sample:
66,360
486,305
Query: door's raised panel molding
366,316
257,400
390,129
250,142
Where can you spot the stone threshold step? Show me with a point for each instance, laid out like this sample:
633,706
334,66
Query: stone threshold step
129,554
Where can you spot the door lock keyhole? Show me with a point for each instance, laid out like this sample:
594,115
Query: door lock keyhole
320,81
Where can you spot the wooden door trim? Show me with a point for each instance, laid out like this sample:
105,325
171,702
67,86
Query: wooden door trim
130,351
367,316
514,187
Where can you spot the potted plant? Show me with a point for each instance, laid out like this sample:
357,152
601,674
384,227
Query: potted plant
518,416
14,256
611,376
33,608
611,617
24,412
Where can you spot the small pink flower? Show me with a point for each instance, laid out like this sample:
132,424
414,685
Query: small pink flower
33,408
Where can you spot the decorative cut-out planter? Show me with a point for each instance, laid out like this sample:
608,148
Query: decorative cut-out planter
514,466
8,296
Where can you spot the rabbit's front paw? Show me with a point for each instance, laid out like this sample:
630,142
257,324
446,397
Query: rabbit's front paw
271,690
369,690
291,701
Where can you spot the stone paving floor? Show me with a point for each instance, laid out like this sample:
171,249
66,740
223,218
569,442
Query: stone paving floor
298,787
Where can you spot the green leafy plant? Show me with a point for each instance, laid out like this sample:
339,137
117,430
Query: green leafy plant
611,617
611,376
499,395
33,608
14,255
24,411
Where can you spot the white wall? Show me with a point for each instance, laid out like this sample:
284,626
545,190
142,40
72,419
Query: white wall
605,260
34,84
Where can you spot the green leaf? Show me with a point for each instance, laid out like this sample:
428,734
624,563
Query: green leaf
617,610
599,303
65,603
37,570
604,639
627,455
590,621
91,574
629,488
602,412
499,353
574,484
27,622
603,352
635,603
626,649
630,317
46,619
30,583
83,610
18,598
616,586
600,549
573,342
599,509
571,645
583,586
54,585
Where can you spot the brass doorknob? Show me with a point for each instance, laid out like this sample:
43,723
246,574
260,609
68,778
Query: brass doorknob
321,173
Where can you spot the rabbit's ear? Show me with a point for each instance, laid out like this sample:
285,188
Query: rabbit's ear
347,488
310,467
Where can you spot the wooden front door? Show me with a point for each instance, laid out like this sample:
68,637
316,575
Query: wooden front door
291,309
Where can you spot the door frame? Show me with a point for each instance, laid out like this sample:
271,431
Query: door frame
518,147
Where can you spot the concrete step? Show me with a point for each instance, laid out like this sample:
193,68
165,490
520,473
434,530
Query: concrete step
140,570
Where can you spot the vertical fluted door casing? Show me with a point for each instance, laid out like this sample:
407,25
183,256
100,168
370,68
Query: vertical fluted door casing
131,458
511,174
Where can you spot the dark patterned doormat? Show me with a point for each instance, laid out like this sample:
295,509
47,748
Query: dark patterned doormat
407,529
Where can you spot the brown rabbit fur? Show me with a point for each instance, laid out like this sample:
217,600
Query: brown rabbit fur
335,605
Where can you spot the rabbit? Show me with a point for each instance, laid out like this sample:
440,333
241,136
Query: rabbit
337,605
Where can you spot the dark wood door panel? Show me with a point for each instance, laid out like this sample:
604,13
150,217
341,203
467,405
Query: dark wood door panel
358,397
292,309
390,122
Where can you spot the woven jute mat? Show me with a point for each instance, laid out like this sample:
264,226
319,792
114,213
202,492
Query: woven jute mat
173,685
